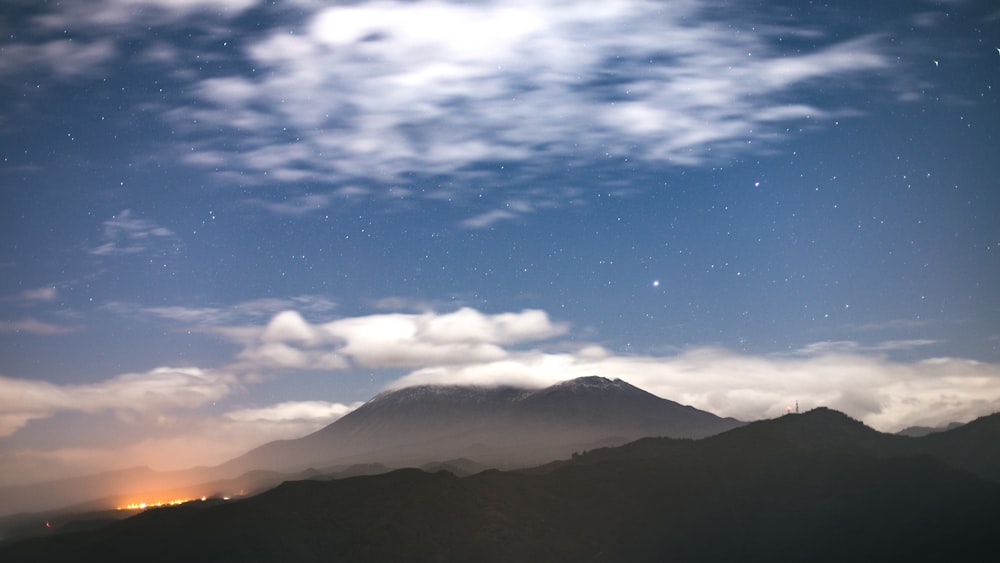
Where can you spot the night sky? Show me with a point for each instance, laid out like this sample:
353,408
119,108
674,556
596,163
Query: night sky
227,221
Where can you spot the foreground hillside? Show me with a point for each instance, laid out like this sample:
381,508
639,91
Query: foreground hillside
804,487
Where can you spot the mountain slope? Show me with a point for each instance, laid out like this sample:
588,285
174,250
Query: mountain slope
503,426
498,427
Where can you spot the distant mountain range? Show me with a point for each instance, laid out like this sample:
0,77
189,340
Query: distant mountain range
501,427
918,431
817,486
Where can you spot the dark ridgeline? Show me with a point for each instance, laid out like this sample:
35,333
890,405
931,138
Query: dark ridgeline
817,486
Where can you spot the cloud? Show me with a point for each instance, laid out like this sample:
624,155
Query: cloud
64,58
403,303
157,390
884,393
295,207
896,324
294,411
850,346
370,92
513,209
129,14
35,326
378,89
469,347
126,234
395,340
240,312
43,294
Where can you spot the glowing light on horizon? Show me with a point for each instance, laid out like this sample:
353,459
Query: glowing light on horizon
156,504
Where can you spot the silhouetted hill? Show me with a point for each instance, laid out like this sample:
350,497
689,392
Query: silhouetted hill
820,429
810,487
972,446
499,426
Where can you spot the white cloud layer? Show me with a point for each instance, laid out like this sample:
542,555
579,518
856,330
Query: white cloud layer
886,394
470,347
368,92
392,340
467,346
158,390
311,412
375,89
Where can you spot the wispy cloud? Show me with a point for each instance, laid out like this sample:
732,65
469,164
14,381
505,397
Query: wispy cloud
371,92
34,296
251,311
129,14
157,390
43,294
377,89
895,324
64,58
513,209
850,346
35,326
127,234
296,206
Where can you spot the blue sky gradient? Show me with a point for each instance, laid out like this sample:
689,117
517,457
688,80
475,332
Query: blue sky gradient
229,221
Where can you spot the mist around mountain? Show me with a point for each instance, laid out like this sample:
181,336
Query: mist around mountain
918,431
817,486
498,427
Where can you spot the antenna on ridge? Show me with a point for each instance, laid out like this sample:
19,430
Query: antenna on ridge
796,407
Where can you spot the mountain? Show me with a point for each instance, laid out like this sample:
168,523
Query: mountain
414,426
498,426
918,431
816,486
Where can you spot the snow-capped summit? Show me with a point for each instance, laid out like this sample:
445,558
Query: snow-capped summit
500,426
